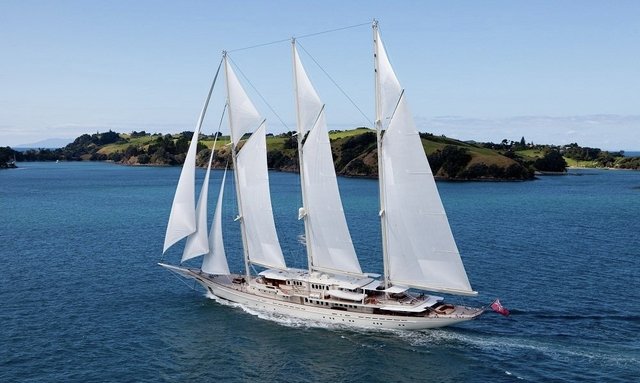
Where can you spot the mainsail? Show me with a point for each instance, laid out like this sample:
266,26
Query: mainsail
260,239
420,249
329,244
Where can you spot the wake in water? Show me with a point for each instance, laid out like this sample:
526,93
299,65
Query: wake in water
510,344
547,314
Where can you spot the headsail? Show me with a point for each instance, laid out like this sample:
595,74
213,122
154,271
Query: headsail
182,219
215,261
328,240
197,242
421,249
260,239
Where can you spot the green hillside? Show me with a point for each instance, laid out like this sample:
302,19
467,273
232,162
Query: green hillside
354,153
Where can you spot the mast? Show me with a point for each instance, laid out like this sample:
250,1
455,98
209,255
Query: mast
329,245
235,176
303,210
418,246
378,122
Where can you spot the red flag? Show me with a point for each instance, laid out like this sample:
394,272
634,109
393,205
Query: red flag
497,307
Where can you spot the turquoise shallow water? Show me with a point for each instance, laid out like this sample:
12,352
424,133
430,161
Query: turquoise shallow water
81,297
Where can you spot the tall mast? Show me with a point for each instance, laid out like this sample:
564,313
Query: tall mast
300,135
235,176
378,122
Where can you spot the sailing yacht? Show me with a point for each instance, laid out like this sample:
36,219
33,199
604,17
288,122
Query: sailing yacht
419,253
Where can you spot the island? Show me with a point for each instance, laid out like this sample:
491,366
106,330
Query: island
354,154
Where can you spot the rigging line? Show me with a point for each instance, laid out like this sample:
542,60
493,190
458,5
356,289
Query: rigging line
299,37
336,84
259,45
218,133
259,94
206,103
181,279
224,110
333,30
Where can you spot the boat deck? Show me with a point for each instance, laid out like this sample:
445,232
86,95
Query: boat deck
414,306
385,312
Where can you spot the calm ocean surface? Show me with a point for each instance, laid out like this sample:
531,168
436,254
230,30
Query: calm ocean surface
82,299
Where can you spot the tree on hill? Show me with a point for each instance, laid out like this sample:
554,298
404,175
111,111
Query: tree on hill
451,160
582,153
552,161
354,146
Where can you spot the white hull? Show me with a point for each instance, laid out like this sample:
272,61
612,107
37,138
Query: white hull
253,296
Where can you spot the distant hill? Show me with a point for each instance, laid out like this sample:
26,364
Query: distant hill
50,143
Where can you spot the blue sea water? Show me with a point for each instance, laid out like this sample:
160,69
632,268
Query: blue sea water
82,299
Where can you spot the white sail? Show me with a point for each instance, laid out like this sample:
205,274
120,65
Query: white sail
421,249
198,242
182,220
243,116
327,234
215,261
260,239
262,242
308,103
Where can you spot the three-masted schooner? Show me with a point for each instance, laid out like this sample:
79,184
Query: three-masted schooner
418,249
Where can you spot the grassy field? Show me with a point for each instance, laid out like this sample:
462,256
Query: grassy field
533,154
530,154
222,141
143,141
334,135
580,164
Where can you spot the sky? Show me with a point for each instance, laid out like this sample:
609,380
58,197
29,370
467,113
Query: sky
552,71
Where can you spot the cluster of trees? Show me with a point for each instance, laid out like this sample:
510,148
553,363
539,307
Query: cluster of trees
7,156
286,157
349,159
508,145
628,163
453,162
449,161
600,157
551,161
161,150
83,147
